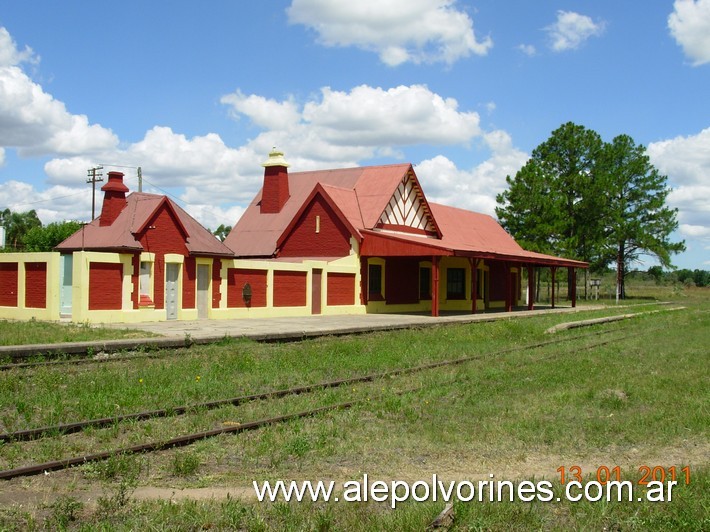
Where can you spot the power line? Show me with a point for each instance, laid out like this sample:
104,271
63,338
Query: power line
46,200
140,182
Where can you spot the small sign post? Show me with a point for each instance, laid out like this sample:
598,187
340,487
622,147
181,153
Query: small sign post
595,283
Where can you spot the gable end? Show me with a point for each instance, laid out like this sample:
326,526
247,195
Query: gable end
407,210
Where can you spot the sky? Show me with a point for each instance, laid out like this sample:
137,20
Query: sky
196,94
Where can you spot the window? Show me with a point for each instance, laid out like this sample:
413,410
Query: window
455,283
374,281
145,289
424,283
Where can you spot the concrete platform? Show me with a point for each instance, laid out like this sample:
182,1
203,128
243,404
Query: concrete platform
265,329
184,333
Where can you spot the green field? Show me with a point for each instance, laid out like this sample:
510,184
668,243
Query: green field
640,399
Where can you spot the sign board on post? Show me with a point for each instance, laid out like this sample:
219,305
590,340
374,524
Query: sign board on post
596,283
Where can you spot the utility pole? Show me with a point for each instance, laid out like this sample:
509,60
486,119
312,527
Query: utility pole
140,179
94,177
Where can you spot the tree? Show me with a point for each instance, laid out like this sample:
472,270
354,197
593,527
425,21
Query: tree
550,200
635,215
585,199
656,272
16,225
47,237
222,231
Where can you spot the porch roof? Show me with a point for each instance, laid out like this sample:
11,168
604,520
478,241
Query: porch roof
464,233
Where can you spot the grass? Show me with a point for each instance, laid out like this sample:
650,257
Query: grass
41,332
642,400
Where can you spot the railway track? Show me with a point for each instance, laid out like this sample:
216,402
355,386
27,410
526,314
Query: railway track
191,438
68,428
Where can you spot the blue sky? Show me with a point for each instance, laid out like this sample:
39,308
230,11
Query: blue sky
196,94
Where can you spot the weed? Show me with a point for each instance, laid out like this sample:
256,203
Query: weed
120,474
63,511
184,464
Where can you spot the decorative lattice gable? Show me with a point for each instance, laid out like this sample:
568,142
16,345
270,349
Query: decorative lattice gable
407,209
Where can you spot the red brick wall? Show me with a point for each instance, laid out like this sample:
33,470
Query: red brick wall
237,278
402,280
333,239
275,191
165,237
289,289
341,289
189,283
8,284
105,286
36,285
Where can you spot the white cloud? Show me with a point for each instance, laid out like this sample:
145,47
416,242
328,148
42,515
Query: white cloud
474,189
527,49
212,217
571,29
172,161
32,120
53,204
689,23
419,31
342,127
265,113
686,162
332,129
10,55
697,231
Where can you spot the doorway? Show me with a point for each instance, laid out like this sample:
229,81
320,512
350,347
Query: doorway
66,274
316,290
203,295
172,274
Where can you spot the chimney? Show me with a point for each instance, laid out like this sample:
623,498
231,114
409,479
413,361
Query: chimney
275,191
114,198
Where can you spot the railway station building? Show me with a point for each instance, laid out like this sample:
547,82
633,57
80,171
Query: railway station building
342,241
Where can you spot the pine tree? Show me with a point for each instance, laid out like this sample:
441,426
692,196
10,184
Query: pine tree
636,218
603,203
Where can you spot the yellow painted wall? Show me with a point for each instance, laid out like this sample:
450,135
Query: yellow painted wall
349,264
51,312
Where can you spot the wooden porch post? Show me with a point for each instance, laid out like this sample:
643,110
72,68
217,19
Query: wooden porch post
553,269
531,287
508,289
573,288
474,284
435,286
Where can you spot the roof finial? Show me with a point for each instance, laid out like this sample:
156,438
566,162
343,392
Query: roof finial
276,158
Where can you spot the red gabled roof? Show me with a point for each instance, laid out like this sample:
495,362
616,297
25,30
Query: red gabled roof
359,196
136,215
362,196
342,201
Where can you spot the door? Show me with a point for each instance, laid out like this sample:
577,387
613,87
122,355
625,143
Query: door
66,274
316,292
172,273
203,286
